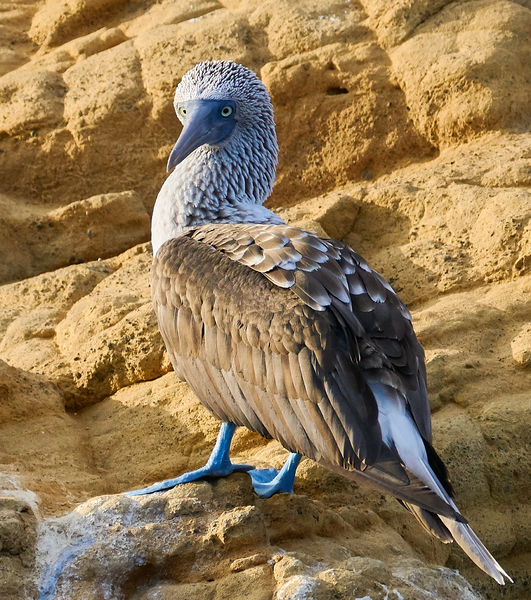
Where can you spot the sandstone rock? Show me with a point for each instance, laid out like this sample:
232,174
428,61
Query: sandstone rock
331,96
97,227
30,100
97,339
104,552
90,99
333,214
9,60
296,28
502,425
53,460
168,13
459,439
83,229
521,346
62,58
403,130
110,337
32,308
16,20
56,22
462,70
127,457
17,548
394,22
430,229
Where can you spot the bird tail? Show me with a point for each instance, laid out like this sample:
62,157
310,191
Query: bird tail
423,465
464,535
446,528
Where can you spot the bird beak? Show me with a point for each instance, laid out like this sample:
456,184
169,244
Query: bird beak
204,125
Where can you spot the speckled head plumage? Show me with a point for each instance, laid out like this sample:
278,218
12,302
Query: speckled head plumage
224,162
222,80
244,143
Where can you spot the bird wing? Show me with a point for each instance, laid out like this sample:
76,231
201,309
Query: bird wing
269,360
326,273
262,356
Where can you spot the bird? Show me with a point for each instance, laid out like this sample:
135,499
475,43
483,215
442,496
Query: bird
279,330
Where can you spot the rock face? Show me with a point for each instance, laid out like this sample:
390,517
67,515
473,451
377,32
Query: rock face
404,129
240,547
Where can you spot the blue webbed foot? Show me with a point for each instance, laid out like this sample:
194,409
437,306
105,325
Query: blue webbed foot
267,482
203,472
218,465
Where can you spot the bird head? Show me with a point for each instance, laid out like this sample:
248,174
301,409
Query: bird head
220,103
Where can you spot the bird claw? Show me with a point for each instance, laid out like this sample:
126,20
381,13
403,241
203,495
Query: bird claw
219,470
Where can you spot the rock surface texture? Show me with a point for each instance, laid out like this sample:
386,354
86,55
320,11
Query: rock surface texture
404,130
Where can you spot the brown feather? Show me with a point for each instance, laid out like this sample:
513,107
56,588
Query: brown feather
291,362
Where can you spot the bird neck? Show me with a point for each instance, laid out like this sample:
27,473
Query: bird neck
217,185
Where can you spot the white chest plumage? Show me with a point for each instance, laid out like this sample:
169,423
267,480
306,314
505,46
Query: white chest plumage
190,198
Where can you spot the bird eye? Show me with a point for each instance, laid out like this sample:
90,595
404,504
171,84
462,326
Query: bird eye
226,111
182,111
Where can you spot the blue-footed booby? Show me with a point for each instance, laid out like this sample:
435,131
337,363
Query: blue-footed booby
281,331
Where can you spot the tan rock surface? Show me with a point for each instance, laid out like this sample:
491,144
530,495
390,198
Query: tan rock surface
241,547
97,227
404,129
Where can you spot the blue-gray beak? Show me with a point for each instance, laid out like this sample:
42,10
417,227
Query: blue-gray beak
207,122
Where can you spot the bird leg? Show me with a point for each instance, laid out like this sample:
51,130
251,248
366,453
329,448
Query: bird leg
267,482
218,465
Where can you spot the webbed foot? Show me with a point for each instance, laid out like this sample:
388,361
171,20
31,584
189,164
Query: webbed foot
267,482
206,471
218,465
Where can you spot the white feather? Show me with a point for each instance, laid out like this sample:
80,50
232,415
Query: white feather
398,428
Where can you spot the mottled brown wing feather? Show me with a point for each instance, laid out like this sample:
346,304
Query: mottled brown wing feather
325,273
258,338
259,356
